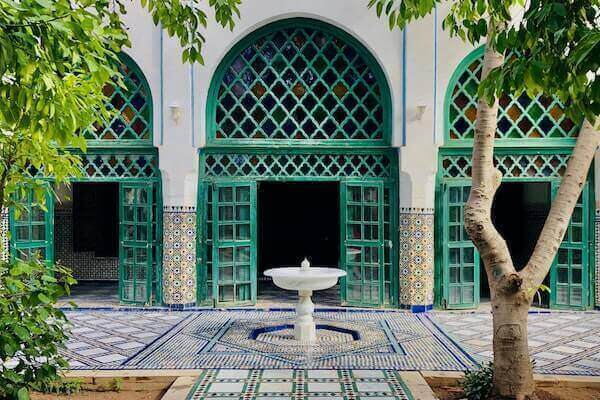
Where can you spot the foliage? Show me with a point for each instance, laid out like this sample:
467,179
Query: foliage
55,58
60,386
31,329
477,384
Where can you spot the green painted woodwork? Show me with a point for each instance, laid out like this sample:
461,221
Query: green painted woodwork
131,101
363,242
296,164
571,277
234,242
569,283
525,164
251,166
126,163
460,258
32,230
541,121
299,82
136,242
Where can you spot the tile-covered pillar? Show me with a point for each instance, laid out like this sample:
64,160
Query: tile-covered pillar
597,266
179,256
416,258
4,246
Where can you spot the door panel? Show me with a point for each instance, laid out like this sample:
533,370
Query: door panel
363,243
569,276
136,242
234,240
32,229
460,258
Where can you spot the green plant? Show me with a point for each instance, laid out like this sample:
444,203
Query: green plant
32,330
60,386
116,384
477,384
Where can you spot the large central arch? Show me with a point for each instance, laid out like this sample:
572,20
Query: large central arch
298,100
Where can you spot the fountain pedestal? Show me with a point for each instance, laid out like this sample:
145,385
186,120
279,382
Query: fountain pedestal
305,329
305,279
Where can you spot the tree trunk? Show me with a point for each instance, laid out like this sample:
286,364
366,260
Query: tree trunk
513,375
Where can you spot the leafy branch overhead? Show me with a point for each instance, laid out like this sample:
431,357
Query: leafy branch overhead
185,18
559,42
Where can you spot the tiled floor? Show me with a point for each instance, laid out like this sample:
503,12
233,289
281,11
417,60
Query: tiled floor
560,342
300,385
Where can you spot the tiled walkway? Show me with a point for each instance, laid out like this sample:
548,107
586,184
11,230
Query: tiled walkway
561,343
300,384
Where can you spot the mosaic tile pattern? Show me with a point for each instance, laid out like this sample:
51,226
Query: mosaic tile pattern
559,342
221,339
85,265
416,257
597,232
179,255
300,385
4,249
106,340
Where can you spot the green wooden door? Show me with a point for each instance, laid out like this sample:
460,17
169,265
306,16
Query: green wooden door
569,276
135,238
32,229
363,241
234,243
460,258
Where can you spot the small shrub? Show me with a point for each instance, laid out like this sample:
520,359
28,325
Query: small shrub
60,386
32,330
477,384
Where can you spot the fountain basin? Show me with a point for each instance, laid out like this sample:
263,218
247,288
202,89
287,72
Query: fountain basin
314,278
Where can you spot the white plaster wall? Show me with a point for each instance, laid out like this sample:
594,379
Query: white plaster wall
178,141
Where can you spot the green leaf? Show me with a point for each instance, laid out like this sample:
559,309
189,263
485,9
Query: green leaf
23,393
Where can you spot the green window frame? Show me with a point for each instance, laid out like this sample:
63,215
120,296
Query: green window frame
131,99
299,82
522,121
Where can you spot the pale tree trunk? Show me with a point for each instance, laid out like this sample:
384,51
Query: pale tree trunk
511,291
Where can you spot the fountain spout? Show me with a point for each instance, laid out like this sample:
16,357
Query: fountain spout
305,265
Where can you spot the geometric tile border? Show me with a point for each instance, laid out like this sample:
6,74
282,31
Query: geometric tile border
299,385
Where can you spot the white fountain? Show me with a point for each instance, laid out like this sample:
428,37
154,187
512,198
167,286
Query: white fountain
305,279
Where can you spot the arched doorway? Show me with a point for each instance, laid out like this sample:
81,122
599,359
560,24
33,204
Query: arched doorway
302,104
533,143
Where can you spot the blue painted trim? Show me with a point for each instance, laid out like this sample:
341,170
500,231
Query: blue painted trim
162,92
193,104
421,309
435,70
404,86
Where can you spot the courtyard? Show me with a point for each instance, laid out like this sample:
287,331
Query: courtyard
362,354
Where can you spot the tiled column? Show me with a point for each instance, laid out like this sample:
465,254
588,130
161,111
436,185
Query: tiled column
179,256
416,258
597,231
4,249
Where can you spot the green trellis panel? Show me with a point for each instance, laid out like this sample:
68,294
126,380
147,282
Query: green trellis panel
541,121
571,275
32,231
299,82
131,100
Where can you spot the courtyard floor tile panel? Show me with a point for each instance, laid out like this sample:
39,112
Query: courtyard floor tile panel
244,339
566,343
300,385
349,339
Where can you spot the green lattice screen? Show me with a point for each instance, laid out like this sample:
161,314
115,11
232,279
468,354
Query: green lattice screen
512,166
300,165
518,117
132,123
299,80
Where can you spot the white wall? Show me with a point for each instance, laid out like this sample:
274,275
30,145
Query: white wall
178,142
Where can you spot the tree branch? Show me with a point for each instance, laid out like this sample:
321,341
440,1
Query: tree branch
562,207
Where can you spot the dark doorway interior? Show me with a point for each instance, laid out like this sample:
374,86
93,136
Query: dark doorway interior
96,218
519,212
297,220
